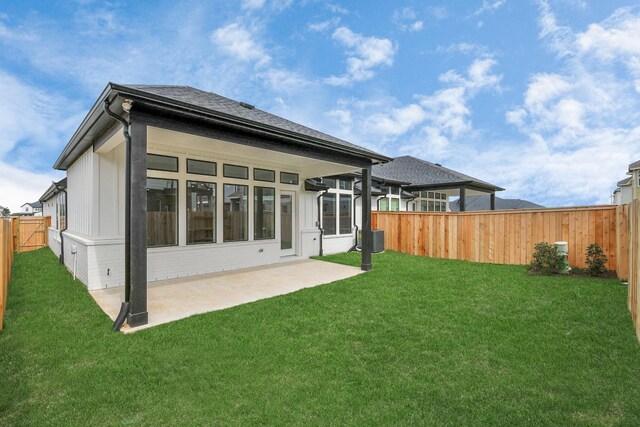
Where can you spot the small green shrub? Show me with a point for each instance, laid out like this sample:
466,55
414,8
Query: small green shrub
596,260
545,259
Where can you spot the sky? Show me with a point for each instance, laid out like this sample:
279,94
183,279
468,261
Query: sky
539,97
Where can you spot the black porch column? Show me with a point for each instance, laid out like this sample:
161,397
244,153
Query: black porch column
366,219
138,314
463,199
493,201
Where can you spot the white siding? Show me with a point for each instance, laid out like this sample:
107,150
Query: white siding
54,240
80,190
49,208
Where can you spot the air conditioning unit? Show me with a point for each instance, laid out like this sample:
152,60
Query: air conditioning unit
377,244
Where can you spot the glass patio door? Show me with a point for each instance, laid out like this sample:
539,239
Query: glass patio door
287,223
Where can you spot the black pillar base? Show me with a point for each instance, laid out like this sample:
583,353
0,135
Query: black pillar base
138,319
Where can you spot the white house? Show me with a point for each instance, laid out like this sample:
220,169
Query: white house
623,194
171,181
33,209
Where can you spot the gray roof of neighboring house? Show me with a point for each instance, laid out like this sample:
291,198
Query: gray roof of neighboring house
483,203
623,182
34,205
635,165
54,189
421,173
203,104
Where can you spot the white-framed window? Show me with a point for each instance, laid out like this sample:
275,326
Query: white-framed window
391,201
337,207
431,201
207,200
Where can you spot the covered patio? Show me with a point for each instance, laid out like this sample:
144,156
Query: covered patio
170,300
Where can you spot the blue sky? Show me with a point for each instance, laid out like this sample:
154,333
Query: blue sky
539,97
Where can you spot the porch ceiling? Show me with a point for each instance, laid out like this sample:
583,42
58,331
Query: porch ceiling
170,300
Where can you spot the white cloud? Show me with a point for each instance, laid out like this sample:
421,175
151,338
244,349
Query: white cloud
364,55
253,4
324,25
20,186
407,20
579,121
425,126
32,122
239,43
489,6
336,8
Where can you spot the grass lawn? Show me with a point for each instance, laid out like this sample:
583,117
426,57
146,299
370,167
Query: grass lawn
416,341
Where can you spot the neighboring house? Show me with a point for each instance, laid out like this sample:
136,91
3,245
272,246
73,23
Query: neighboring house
628,188
634,171
31,209
54,204
623,193
428,186
483,203
206,184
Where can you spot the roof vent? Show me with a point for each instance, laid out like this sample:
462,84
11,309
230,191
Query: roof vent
438,164
247,106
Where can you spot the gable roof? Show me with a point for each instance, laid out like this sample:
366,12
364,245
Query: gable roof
483,203
203,104
34,205
421,173
54,189
624,182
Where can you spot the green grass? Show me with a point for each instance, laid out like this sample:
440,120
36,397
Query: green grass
416,341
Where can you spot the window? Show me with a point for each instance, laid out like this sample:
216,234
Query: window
61,201
395,204
162,212
345,214
200,167
394,190
235,209
432,201
329,214
264,213
201,212
233,171
383,204
162,163
264,175
288,178
345,184
329,182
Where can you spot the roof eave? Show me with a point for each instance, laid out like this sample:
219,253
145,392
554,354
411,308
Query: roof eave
114,90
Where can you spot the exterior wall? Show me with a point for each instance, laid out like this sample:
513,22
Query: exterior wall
95,207
81,190
54,240
49,209
636,184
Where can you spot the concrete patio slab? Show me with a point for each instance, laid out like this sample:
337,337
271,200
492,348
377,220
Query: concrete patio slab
174,299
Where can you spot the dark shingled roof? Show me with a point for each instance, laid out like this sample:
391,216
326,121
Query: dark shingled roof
635,165
422,173
624,182
220,104
54,189
483,203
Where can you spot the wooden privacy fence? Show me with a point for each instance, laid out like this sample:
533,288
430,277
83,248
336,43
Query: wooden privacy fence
6,259
634,264
30,232
508,237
